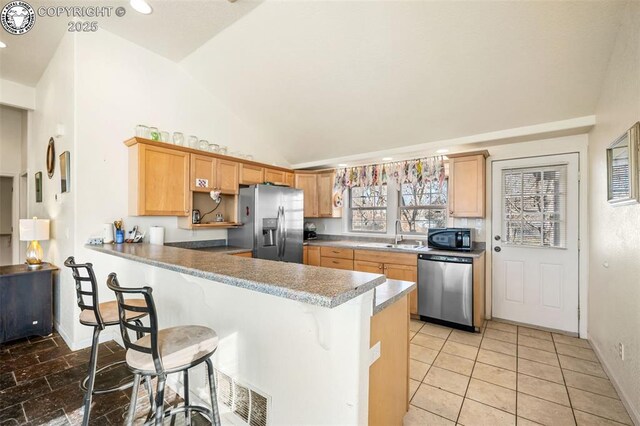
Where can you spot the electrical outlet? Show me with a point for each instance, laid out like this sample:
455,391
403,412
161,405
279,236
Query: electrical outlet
621,350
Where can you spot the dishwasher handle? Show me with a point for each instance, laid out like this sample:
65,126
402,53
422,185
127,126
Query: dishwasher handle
442,258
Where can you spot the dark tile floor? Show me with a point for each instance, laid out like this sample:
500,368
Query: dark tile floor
40,384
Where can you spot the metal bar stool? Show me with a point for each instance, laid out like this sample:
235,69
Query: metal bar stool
99,315
162,352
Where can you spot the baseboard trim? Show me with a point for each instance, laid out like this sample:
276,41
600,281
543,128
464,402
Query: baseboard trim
631,409
105,336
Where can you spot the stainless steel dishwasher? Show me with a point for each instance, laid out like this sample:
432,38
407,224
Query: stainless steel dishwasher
445,290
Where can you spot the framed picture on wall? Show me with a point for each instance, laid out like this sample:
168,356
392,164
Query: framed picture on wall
622,168
39,187
65,172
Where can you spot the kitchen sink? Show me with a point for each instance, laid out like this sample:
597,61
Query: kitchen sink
393,246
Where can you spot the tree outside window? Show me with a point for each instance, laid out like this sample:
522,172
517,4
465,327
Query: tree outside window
422,206
368,208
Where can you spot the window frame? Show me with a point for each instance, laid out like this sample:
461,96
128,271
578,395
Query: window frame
351,209
444,207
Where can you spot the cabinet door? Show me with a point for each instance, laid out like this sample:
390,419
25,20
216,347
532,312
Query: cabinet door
467,186
289,179
305,255
250,174
405,273
227,176
326,207
274,176
162,186
313,256
203,169
309,185
364,266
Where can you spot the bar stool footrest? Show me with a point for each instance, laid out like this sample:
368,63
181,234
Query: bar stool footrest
177,410
83,384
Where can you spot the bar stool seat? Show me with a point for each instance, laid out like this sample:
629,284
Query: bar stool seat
109,313
179,347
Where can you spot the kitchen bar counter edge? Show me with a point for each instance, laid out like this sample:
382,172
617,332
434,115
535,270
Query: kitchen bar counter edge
313,285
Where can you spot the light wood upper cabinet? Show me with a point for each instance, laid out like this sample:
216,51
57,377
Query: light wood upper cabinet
289,180
275,176
467,182
251,174
227,176
203,168
158,181
309,184
326,206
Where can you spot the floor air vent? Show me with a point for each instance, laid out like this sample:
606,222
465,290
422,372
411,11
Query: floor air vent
245,402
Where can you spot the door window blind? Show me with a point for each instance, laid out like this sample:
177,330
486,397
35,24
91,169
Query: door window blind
534,206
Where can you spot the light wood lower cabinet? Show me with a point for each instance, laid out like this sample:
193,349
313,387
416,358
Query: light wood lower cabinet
371,267
158,181
396,266
336,263
389,374
313,256
479,291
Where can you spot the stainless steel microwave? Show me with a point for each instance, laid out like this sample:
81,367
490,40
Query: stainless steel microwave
460,239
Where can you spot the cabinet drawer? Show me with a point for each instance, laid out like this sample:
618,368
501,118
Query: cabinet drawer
386,257
332,262
341,253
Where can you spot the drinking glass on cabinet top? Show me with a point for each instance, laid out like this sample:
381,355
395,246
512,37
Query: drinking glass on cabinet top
164,136
223,150
178,138
155,133
203,145
214,147
193,142
142,131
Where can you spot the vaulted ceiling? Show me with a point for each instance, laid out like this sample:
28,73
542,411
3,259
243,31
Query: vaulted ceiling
330,79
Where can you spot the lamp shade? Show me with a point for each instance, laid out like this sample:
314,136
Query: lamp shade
34,229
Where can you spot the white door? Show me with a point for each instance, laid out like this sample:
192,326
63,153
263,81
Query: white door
535,241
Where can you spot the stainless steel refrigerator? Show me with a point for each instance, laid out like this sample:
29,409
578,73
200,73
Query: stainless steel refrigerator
272,218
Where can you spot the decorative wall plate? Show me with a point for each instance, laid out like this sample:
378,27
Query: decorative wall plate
51,158
337,200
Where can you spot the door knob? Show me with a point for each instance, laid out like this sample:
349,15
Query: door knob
497,249
497,238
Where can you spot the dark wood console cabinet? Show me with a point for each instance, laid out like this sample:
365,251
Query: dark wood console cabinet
25,301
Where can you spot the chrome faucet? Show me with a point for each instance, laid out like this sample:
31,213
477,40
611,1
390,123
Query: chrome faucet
399,237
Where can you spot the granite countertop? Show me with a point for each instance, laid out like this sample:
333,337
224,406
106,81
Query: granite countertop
223,250
363,245
309,284
390,292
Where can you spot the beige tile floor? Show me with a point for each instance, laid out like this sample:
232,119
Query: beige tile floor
506,375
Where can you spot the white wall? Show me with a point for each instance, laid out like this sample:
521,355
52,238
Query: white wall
17,95
614,292
99,86
55,104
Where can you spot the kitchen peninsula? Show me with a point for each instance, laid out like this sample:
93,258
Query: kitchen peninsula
304,337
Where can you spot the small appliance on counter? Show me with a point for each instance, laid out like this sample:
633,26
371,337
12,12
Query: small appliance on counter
310,231
195,216
457,239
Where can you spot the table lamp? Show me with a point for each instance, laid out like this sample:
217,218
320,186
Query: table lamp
34,230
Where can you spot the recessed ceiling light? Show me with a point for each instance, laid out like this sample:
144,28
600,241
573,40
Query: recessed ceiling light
442,151
141,6
2,45
342,165
387,158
